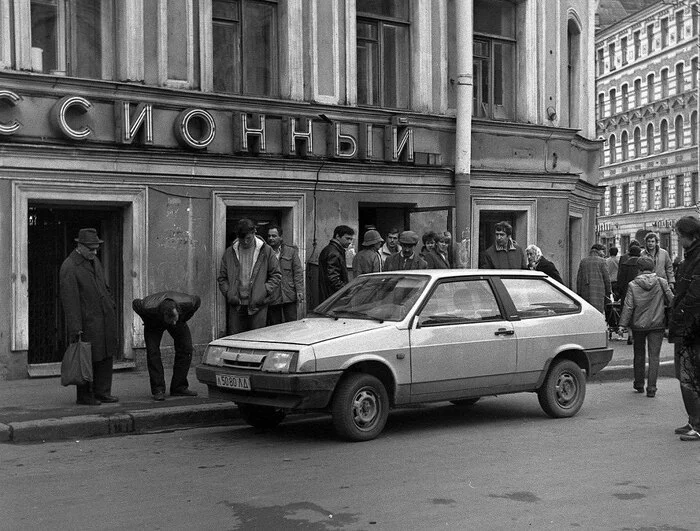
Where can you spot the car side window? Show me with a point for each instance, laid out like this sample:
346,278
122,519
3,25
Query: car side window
535,297
464,301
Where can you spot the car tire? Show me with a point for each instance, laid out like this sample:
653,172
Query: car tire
563,390
360,407
465,402
264,417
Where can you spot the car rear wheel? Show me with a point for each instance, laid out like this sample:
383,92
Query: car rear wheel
360,407
465,402
563,390
264,417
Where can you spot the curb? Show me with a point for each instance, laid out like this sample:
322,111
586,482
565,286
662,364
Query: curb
626,372
130,422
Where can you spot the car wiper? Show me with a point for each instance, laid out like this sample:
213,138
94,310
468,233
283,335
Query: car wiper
359,314
330,315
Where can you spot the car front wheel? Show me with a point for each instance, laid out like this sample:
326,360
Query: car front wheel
563,390
360,407
263,417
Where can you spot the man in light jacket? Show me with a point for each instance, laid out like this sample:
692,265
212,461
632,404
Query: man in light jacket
663,266
248,277
644,312
283,307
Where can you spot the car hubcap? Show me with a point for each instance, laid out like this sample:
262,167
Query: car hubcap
566,389
365,408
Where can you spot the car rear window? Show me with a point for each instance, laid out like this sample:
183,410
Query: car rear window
535,297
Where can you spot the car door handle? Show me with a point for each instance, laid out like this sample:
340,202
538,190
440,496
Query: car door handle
504,332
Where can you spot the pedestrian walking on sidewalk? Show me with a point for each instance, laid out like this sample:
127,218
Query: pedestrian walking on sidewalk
684,328
168,310
644,311
90,310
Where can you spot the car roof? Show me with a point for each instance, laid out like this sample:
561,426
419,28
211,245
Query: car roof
449,273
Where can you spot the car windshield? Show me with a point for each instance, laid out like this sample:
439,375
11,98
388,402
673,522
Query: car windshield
377,297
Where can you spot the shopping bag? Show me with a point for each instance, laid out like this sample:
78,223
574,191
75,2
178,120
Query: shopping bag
76,367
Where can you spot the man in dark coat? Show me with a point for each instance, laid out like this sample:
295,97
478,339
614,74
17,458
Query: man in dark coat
283,307
593,280
332,265
168,310
407,258
91,314
628,269
248,277
437,257
537,262
504,253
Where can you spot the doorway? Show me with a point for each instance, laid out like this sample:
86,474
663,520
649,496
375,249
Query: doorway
51,233
487,227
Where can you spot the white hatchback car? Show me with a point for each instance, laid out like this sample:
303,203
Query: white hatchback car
392,339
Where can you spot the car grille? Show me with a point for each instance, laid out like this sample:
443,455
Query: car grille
243,359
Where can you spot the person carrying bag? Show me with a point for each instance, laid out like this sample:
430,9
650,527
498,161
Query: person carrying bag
76,367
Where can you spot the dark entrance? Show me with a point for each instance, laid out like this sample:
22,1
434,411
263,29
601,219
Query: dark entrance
52,230
263,218
487,228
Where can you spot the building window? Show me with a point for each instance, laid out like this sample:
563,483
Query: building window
680,185
650,38
679,78
664,192
245,57
494,59
637,197
624,145
623,50
694,11
73,37
611,55
601,62
637,44
573,81
383,55
694,72
694,128
613,200
663,135
664,83
625,198
612,144
601,106
664,32
637,93
651,199
613,102
679,26
637,143
679,131
694,188
624,97
650,88
650,139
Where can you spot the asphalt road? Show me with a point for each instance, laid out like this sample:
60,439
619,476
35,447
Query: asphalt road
501,464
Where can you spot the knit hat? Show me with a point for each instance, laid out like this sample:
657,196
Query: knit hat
645,263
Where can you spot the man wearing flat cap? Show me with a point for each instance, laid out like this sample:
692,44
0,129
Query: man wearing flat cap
407,258
368,259
91,314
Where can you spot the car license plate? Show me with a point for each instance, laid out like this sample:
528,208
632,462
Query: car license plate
233,382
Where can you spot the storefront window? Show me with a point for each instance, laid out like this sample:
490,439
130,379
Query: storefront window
494,60
73,37
383,53
245,47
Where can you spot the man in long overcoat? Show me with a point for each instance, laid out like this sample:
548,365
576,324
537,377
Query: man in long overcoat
90,312
593,279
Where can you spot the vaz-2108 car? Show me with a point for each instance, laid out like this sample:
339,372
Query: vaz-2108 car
392,339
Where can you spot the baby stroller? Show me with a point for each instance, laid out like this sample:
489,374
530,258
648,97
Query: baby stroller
612,316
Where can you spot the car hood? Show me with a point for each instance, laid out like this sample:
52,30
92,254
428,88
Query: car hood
308,331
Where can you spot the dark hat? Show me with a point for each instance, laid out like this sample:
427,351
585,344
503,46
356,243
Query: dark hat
88,237
635,250
408,237
645,263
372,237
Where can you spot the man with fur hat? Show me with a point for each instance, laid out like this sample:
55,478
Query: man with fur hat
368,259
91,315
407,258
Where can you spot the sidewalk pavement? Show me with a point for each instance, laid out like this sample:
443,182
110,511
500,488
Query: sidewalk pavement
40,410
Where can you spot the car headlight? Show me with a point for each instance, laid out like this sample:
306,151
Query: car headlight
280,361
212,355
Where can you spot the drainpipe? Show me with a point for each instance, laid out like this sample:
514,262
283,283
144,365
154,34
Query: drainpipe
463,136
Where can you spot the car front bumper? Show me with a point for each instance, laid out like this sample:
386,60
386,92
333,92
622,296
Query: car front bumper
598,358
289,391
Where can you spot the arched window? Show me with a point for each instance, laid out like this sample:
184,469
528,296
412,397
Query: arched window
624,145
663,135
613,148
694,128
637,142
680,82
637,93
650,88
573,36
650,139
601,106
679,131
624,98
613,102
664,83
